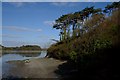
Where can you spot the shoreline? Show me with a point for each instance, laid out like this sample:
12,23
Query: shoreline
35,68
22,51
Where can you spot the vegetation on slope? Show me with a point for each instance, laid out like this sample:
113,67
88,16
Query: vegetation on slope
94,44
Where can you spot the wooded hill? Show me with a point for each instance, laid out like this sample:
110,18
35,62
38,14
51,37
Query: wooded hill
92,29
93,43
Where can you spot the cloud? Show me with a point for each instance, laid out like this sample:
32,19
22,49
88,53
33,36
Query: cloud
15,28
17,4
59,3
40,0
69,4
65,0
50,23
0,27
21,4
39,30
60,0
9,36
12,43
43,36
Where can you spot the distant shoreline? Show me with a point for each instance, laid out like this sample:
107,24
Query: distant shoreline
21,51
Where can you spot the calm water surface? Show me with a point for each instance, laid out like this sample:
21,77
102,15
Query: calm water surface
17,56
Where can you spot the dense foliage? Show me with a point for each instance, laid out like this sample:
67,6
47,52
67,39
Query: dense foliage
93,29
94,48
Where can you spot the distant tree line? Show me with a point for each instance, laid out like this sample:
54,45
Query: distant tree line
24,47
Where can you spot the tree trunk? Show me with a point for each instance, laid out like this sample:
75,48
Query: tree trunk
73,30
64,33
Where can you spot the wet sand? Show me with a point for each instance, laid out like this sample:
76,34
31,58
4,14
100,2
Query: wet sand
36,68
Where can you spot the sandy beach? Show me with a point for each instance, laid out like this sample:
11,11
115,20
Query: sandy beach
36,68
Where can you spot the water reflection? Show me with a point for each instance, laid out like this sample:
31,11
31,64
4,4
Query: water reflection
17,56
22,56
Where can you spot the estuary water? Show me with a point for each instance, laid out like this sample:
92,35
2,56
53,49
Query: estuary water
5,67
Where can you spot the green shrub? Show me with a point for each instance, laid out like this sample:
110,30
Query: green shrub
101,44
73,56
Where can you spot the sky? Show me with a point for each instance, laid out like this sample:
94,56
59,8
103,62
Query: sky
0,22
59,0
30,23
